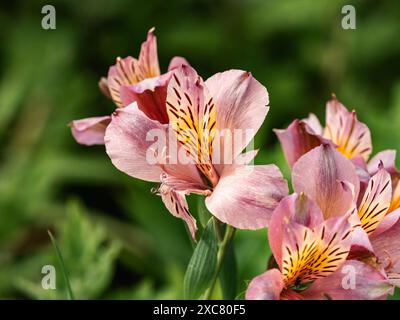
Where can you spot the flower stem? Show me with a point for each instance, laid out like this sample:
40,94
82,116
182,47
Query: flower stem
223,248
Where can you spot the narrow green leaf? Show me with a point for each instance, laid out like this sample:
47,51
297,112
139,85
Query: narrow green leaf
204,214
63,269
228,275
202,264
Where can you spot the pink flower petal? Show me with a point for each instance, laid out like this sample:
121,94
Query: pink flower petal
175,202
388,158
360,244
245,196
177,62
309,254
297,140
246,157
267,286
387,222
126,143
319,174
148,58
103,86
376,200
242,105
150,95
313,122
124,72
387,248
90,131
129,70
187,109
368,284
351,136
296,208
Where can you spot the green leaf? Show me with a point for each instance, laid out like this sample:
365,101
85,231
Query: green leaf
204,214
202,264
395,296
62,265
228,275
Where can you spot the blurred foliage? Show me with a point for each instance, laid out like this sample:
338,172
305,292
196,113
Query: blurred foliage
87,261
125,244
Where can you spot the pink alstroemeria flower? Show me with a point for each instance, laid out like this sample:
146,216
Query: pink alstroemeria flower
241,195
342,129
130,80
310,253
349,136
331,180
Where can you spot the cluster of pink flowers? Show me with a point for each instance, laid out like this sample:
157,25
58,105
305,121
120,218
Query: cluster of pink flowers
335,237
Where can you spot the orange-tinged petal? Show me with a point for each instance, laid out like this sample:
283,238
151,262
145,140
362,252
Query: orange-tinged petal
395,203
124,72
309,254
351,136
148,66
192,115
127,71
376,201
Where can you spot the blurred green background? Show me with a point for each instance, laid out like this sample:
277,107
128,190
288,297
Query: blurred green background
117,238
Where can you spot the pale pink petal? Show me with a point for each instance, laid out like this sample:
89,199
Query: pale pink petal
296,208
376,200
245,196
387,222
128,146
319,174
363,175
90,131
351,136
289,294
129,70
387,249
175,202
150,95
183,182
192,116
297,140
388,158
242,105
179,169
177,62
355,280
309,254
313,122
124,72
267,286
395,203
103,86
148,59
360,244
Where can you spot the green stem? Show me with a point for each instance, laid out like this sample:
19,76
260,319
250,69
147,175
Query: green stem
222,250
218,231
